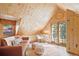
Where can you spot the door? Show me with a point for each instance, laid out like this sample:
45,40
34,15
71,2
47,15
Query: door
62,33
59,33
54,33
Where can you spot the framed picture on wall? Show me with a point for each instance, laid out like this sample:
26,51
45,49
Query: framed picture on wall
7,30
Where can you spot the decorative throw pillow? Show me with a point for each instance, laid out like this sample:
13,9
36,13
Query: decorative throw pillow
9,43
16,41
33,38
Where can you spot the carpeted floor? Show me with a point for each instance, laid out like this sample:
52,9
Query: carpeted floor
53,50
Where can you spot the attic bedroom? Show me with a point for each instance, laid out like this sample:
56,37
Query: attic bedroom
39,29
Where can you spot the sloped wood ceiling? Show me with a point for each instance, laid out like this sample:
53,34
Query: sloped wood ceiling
71,6
36,18
33,17
16,10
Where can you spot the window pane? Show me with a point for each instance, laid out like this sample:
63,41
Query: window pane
54,32
62,32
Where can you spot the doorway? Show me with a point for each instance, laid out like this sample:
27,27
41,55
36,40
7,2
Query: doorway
59,33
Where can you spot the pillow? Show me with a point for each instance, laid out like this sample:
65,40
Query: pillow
13,40
9,40
33,38
39,36
9,43
16,41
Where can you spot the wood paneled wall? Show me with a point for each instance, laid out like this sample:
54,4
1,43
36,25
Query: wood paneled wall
72,32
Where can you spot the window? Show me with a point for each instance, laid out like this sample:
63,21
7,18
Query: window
54,32
62,32
59,33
